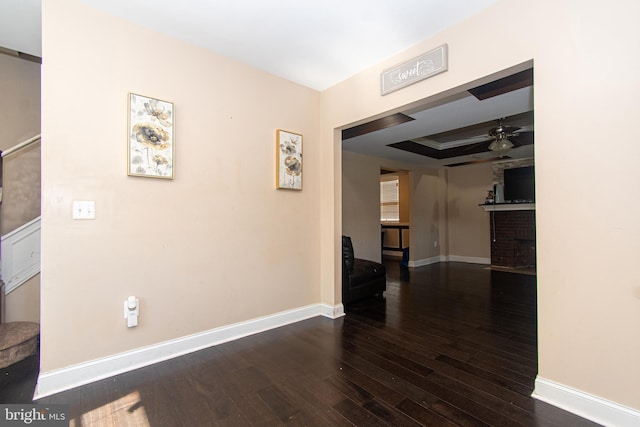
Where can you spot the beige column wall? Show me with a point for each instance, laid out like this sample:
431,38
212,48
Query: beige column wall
469,235
361,204
424,216
587,194
404,192
23,303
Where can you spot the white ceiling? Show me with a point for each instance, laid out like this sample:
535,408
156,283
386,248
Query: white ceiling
316,43
20,26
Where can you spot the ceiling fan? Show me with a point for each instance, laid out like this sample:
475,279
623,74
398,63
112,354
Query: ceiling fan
502,137
496,136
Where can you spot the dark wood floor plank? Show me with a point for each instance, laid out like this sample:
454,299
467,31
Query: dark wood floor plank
376,388
497,403
357,415
424,415
390,415
278,403
319,398
482,412
414,393
500,382
487,382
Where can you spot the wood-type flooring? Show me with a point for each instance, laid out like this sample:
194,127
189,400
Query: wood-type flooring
450,344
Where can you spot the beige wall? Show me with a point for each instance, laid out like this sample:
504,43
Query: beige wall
20,188
216,245
19,121
361,204
588,294
23,303
425,218
20,100
442,209
403,194
469,235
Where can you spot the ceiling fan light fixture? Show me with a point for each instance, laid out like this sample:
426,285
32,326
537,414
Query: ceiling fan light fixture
501,144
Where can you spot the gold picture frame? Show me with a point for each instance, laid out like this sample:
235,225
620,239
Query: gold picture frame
288,160
151,141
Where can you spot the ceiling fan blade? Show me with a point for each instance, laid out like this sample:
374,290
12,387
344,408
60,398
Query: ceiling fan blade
522,138
503,129
478,147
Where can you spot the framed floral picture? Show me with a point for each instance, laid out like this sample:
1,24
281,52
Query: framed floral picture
151,137
288,160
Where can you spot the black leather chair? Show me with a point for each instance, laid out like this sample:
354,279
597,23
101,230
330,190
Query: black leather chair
360,278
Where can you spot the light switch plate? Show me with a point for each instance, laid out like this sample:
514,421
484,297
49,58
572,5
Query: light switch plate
84,209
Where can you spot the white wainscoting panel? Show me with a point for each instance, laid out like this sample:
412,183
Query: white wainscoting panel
20,252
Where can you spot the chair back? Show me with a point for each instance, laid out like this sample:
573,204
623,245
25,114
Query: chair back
347,253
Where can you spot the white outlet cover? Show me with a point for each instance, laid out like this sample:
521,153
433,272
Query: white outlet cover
84,209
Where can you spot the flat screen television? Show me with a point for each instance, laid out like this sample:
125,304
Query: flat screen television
519,185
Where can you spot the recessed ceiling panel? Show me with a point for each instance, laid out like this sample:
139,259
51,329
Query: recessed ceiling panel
375,125
523,120
504,85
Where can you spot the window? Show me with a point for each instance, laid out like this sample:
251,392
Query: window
389,201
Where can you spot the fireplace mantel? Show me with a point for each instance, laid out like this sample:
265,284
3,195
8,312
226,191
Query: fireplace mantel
509,207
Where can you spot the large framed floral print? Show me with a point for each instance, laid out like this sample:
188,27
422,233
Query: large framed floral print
151,137
288,160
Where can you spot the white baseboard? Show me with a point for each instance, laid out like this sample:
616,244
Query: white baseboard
449,258
393,254
332,311
591,407
426,261
84,373
469,259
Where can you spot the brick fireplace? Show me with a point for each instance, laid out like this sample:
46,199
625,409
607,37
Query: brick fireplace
513,238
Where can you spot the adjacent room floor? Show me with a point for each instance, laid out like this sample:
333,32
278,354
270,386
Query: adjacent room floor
450,344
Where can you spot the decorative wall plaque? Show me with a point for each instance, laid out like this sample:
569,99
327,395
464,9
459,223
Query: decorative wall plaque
288,160
424,66
151,137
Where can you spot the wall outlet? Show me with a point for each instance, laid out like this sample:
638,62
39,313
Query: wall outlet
435,243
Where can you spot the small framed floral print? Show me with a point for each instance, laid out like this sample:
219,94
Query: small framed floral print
288,160
151,137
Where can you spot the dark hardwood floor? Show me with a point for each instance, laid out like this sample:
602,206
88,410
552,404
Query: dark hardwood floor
450,345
